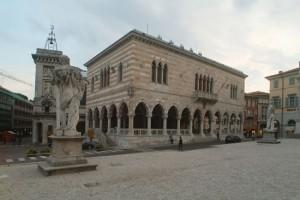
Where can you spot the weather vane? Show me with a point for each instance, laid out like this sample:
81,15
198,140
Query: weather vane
51,43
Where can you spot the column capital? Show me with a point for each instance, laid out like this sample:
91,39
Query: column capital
149,115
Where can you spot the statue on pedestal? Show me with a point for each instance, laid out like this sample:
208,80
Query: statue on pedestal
70,87
270,118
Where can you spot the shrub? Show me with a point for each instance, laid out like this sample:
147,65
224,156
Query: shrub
31,152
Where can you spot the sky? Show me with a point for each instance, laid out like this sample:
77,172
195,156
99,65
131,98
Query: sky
258,37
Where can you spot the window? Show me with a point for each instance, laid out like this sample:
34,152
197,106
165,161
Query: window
165,74
233,91
196,82
108,75
291,80
120,72
153,71
291,122
159,73
292,101
200,83
276,101
92,84
101,79
275,84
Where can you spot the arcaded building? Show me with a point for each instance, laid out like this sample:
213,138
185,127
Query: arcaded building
143,89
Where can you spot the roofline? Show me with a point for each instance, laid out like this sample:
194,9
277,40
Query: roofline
145,37
282,73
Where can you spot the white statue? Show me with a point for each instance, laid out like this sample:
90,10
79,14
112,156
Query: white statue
70,87
270,118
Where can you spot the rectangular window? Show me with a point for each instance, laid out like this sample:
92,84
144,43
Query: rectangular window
292,101
291,80
275,84
276,102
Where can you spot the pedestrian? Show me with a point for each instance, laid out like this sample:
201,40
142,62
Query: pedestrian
253,134
180,144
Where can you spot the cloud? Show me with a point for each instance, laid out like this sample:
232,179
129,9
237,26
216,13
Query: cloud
258,37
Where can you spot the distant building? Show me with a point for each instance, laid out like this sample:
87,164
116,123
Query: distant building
44,118
143,90
15,111
256,106
284,94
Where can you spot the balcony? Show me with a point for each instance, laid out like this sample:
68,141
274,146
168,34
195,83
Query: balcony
205,97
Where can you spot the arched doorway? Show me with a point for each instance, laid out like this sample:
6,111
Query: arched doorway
225,120
104,119
207,123
97,118
172,120
217,122
124,115
90,118
185,121
113,119
232,124
140,117
157,119
197,122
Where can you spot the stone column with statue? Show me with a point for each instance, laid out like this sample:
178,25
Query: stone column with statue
67,141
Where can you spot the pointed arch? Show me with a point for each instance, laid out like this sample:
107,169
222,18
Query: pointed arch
172,118
157,117
97,117
197,122
185,119
165,74
113,116
104,119
207,123
154,71
204,84
159,73
200,83
123,110
196,81
90,118
140,117
120,69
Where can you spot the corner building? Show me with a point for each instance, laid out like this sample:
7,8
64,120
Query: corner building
143,89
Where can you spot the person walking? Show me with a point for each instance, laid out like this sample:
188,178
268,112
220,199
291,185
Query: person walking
180,144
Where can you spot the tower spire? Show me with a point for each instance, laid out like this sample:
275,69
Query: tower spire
51,43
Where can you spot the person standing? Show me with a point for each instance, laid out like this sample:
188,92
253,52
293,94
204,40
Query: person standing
180,144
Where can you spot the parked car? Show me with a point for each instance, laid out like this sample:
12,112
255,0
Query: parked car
232,139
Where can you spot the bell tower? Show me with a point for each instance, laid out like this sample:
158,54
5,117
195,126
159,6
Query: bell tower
46,60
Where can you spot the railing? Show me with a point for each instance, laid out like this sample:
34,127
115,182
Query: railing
157,131
184,131
124,131
171,131
206,96
140,131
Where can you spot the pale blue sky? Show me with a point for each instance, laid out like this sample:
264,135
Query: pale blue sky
257,37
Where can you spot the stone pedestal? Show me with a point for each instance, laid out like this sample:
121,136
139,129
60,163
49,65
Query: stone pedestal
66,156
269,137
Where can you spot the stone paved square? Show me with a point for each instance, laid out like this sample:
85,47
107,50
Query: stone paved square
235,171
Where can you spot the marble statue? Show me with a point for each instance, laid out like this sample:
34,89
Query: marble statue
69,86
270,118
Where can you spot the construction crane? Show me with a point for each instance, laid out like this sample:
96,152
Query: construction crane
2,73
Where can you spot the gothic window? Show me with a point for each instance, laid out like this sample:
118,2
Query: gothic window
196,82
104,77
159,73
165,74
200,83
120,72
92,84
108,72
211,85
204,84
207,84
101,79
153,71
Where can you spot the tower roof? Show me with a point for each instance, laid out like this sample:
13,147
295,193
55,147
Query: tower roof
51,43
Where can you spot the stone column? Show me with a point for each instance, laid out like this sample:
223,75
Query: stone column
131,117
100,125
108,124
118,124
86,123
149,124
201,128
44,134
178,125
191,126
34,132
165,117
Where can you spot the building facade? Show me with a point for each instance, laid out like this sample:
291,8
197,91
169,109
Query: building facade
143,89
284,94
256,106
15,112
44,110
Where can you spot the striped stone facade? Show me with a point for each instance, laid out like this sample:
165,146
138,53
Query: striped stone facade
143,89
